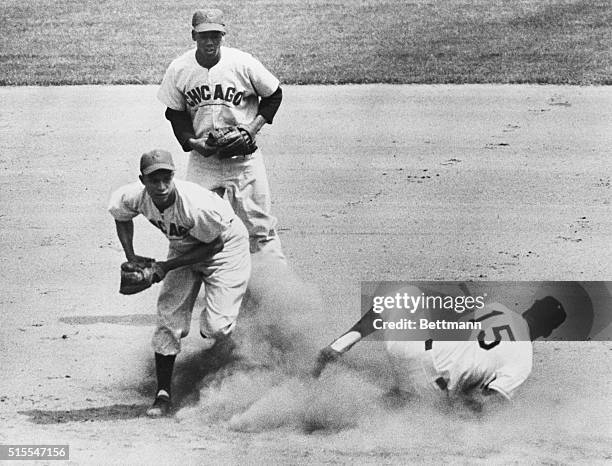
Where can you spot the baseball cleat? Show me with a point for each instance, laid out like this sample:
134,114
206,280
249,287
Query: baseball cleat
161,405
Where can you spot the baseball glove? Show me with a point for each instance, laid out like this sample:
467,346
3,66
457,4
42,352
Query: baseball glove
231,142
136,277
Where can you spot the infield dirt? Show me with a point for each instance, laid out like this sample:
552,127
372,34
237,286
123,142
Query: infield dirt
385,183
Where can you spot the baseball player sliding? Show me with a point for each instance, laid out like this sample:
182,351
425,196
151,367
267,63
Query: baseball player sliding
217,99
208,244
481,370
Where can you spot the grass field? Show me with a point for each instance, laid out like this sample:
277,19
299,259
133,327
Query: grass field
319,41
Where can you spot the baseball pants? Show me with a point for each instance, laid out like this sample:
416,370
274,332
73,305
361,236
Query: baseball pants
245,183
225,278
414,370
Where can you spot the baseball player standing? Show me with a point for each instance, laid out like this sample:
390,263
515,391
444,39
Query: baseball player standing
213,87
481,370
208,245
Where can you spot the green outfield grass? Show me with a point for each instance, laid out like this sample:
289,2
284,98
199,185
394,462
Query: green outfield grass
316,41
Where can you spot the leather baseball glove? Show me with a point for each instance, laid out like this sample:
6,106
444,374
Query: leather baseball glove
231,141
138,276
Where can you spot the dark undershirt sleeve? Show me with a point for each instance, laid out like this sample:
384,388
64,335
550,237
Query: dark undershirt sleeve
268,106
181,126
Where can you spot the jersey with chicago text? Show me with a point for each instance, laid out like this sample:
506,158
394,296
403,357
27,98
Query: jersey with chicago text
225,95
197,216
498,357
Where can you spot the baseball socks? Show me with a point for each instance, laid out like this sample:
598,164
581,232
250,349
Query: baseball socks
164,366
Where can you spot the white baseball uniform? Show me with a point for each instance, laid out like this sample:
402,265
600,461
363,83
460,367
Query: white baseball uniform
226,95
197,216
501,359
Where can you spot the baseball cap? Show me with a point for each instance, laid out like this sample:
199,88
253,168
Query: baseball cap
544,316
208,20
156,159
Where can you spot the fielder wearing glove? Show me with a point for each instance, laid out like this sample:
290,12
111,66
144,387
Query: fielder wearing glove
138,276
231,141
215,86
208,249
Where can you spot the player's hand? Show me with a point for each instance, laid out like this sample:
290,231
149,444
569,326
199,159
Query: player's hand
325,356
200,145
160,269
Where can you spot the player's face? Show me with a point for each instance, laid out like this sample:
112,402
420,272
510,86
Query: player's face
208,43
160,186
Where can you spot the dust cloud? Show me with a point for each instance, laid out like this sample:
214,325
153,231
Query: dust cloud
265,384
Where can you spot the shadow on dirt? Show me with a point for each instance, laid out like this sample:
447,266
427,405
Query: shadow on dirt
102,413
140,320
192,371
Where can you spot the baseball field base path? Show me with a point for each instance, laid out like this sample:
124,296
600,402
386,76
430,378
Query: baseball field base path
382,183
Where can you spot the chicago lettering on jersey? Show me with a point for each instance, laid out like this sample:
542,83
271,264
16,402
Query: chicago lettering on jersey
174,231
204,93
